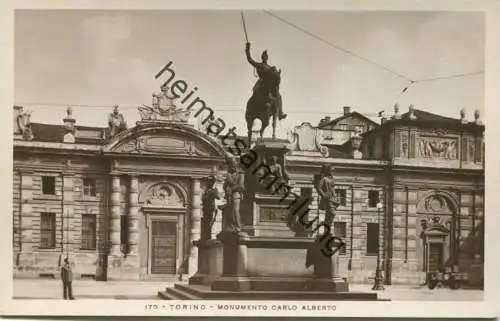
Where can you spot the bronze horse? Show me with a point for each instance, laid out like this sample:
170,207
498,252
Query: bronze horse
265,101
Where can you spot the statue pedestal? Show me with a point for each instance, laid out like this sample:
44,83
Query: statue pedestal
265,211
274,268
267,261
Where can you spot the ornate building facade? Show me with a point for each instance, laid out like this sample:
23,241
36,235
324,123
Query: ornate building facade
125,203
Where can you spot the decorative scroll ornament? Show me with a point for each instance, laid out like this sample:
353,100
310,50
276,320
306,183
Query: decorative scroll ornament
306,138
435,204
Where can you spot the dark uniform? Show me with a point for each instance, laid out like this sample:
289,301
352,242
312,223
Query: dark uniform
67,279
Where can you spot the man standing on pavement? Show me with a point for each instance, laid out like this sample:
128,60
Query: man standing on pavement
67,279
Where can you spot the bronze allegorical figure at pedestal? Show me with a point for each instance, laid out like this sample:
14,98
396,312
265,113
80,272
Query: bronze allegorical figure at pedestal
326,191
234,190
209,209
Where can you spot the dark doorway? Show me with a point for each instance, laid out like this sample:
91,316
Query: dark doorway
163,247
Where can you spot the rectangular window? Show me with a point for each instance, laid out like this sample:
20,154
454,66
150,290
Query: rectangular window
47,231
89,187
341,196
373,198
340,231
89,224
123,233
49,185
372,239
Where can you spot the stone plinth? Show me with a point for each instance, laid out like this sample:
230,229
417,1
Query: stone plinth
242,267
251,263
265,207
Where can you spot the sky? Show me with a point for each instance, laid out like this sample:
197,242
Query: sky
101,58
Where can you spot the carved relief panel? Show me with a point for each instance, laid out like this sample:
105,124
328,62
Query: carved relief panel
403,147
162,195
273,214
437,147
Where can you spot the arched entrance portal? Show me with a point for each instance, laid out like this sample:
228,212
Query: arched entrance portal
437,217
164,208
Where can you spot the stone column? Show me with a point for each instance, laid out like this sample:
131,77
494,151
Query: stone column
114,222
195,224
133,219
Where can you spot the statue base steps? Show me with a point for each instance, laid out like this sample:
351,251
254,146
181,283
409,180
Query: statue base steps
204,292
239,266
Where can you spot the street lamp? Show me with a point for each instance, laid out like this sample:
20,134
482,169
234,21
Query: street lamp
378,285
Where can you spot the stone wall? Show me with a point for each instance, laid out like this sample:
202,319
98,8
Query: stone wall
356,214
68,204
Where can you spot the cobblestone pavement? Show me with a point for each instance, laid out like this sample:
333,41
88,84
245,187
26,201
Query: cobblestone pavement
135,290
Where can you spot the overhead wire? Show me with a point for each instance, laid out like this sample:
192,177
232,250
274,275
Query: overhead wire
411,81
329,43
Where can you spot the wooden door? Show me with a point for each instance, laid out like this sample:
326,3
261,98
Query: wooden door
163,247
435,257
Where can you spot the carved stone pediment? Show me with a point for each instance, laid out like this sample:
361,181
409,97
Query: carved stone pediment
171,139
152,144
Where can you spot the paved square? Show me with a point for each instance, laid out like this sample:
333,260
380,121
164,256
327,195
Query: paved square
135,290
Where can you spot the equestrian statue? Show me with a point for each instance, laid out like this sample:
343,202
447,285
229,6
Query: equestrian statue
265,101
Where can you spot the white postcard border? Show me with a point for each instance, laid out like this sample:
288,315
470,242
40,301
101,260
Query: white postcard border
486,308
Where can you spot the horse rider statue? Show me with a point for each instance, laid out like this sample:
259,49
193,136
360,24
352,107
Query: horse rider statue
265,101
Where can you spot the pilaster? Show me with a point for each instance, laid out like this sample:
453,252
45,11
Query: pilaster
195,224
27,192
133,218
114,222
70,237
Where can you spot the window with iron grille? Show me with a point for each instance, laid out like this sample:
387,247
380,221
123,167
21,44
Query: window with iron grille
373,198
47,231
89,187
341,196
49,185
89,223
340,231
372,239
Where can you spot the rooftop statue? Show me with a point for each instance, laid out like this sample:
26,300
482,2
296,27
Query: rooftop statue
116,122
163,109
22,123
